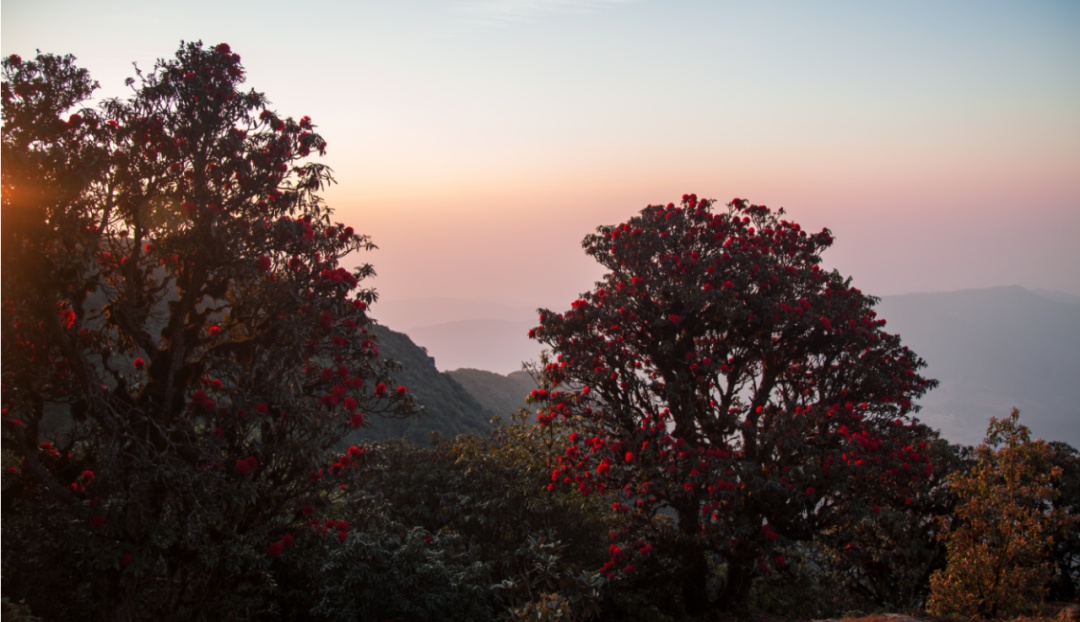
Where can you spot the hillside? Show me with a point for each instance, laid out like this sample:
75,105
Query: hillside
502,395
448,408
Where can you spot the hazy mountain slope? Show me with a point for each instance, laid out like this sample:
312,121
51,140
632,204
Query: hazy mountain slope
500,394
449,409
496,345
1058,296
993,349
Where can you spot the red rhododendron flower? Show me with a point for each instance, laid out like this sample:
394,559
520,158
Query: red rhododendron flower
139,362
356,420
326,319
275,549
380,390
214,331
67,316
200,400
263,263
288,540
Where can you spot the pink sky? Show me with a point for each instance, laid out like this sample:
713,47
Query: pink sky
479,141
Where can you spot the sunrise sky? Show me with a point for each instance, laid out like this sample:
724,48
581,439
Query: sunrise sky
479,141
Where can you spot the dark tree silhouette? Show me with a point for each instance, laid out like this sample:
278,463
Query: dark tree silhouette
183,353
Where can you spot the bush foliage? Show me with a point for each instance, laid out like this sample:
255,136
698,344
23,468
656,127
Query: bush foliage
1001,534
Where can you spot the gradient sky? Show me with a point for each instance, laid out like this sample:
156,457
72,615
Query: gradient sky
479,141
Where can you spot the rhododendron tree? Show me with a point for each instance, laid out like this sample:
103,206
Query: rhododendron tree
183,352
718,373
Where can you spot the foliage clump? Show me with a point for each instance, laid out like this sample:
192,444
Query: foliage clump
1001,533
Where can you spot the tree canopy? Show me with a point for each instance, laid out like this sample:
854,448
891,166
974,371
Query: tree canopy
719,372
1004,527
183,353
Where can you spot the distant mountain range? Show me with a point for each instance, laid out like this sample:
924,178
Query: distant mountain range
503,395
471,334
463,401
992,349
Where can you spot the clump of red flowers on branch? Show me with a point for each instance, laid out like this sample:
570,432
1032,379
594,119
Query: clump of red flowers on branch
718,372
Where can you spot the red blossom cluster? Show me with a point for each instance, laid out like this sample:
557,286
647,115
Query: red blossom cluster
277,548
339,527
354,457
246,465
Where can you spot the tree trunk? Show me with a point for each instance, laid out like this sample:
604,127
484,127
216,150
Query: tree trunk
695,566
736,592
696,574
